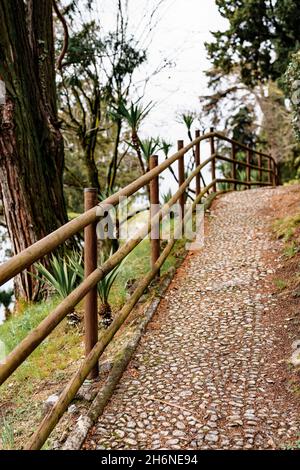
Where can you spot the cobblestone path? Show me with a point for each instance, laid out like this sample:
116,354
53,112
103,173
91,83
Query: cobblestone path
204,376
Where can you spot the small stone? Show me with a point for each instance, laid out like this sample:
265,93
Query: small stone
51,400
130,441
172,442
180,425
131,424
72,409
178,433
211,437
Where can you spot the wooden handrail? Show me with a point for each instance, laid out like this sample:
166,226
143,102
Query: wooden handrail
30,255
41,248
222,136
240,162
246,183
51,419
16,357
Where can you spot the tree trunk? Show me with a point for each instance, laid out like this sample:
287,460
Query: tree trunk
31,145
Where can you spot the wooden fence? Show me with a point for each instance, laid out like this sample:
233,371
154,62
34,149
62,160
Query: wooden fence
241,156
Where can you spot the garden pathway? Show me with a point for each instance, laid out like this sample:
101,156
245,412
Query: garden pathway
206,374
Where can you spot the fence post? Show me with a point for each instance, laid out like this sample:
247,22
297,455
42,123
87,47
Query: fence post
180,145
213,162
197,163
233,156
154,208
270,169
274,179
90,264
248,169
260,167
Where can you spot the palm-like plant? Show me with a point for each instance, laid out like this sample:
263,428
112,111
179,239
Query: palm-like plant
133,115
104,288
166,147
188,118
149,147
167,196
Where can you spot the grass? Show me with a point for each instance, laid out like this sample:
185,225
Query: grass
7,435
280,284
59,349
286,227
22,395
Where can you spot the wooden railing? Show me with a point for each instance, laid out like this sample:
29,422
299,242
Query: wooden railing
94,346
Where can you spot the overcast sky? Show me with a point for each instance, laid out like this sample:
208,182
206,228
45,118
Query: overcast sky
181,28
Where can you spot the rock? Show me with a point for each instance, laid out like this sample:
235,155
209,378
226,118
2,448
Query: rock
172,442
72,409
180,425
178,433
211,438
130,441
131,424
51,400
295,358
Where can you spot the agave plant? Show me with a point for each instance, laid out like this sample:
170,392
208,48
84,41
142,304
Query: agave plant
103,287
60,276
167,196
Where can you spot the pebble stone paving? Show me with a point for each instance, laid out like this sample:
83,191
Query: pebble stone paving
201,379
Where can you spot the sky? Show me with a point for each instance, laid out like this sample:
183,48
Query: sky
180,30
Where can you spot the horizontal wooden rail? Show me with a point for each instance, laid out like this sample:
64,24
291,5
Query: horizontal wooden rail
36,336
246,183
38,250
240,162
53,416
242,146
45,246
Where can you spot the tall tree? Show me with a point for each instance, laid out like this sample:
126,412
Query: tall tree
261,37
31,145
257,47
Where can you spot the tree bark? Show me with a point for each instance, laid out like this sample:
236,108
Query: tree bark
31,145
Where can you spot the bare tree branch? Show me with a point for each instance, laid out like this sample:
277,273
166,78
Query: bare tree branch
66,35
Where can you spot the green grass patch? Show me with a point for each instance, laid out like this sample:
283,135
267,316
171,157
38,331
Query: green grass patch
291,249
285,228
280,284
55,353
